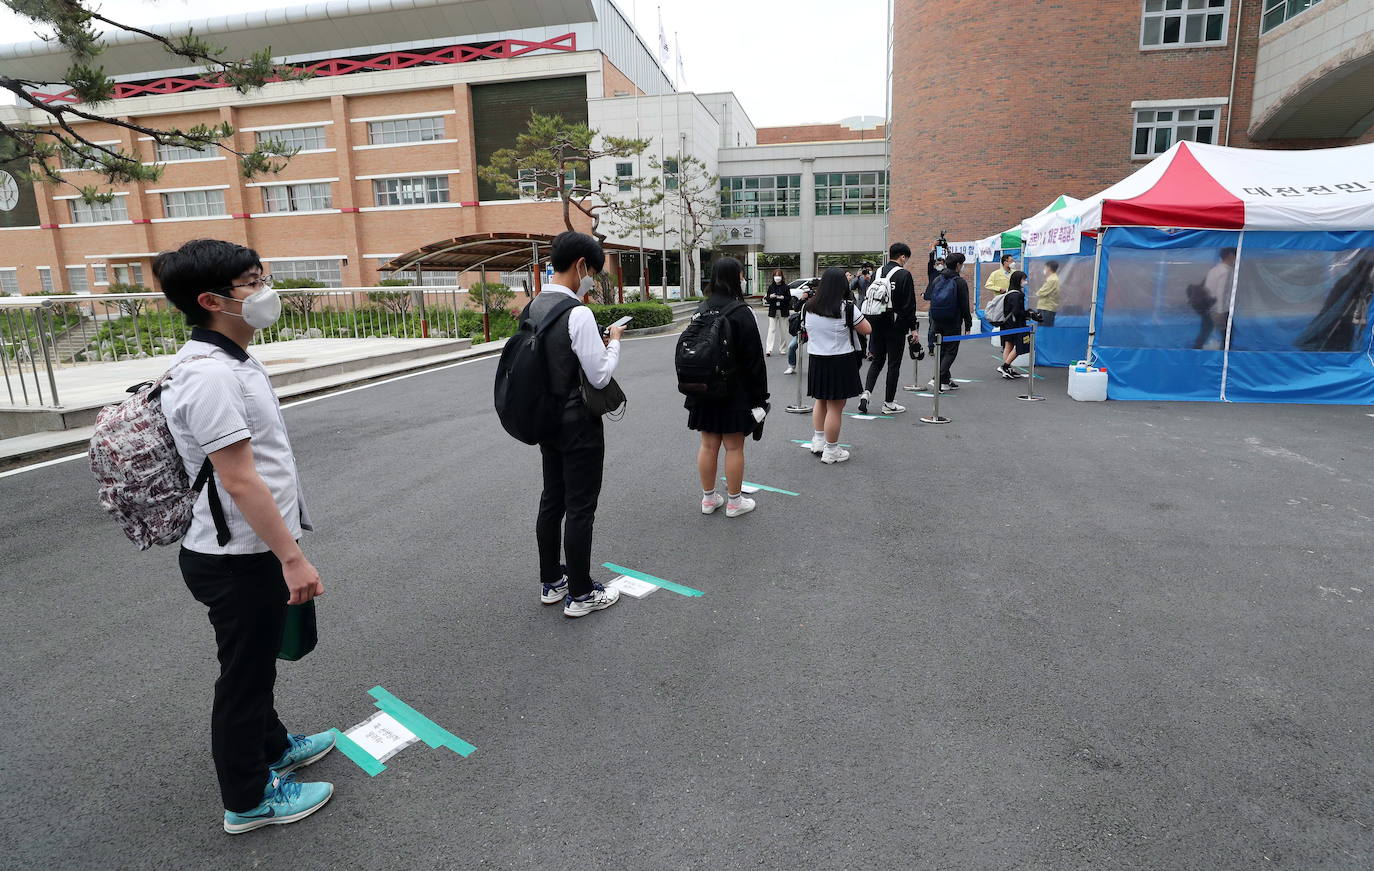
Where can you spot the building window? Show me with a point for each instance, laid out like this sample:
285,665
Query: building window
76,280
45,279
1156,130
9,281
99,213
180,152
413,191
292,138
326,272
623,173
405,130
529,186
760,196
1184,23
1277,12
851,193
100,274
297,198
137,270
193,204
670,175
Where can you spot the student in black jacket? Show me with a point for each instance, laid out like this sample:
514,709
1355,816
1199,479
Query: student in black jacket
779,298
890,330
1015,318
950,315
725,423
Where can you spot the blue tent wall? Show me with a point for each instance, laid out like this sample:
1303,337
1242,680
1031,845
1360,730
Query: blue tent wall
1146,328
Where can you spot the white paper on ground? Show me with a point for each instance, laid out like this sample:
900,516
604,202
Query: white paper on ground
748,489
632,586
381,736
864,416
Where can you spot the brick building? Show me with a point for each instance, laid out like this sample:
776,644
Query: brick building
993,118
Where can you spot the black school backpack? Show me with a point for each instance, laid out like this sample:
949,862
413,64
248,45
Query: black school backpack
705,354
527,407
944,296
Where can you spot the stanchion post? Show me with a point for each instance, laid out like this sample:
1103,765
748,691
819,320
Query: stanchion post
800,407
935,416
1030,389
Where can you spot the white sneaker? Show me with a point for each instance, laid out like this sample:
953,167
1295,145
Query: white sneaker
863,402
709,504
744,507
555,593
930,386
598,598
838,455
893,408
817,444
789,371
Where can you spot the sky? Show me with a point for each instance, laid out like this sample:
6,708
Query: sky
788,61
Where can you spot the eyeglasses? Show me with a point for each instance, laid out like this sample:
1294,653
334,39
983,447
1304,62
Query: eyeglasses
264,282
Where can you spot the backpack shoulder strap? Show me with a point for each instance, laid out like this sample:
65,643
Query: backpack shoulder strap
560,308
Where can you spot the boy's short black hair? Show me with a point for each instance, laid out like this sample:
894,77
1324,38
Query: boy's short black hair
1227,252
899,249
954,261
571,246
198,266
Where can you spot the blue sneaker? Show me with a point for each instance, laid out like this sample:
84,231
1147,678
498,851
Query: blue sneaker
304,750
284,800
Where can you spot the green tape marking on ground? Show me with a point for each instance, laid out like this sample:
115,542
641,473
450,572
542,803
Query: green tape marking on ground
769,489
425,729
657,582
348,747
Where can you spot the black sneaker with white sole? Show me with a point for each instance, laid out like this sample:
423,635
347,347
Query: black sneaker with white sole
596,600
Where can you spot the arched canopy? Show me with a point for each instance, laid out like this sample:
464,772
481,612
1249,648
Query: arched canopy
499,252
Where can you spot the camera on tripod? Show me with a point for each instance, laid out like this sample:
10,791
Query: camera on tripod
941,247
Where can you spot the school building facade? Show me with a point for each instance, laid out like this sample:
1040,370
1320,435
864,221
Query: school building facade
401,103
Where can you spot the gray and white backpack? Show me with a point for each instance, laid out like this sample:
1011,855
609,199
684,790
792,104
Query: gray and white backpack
143,482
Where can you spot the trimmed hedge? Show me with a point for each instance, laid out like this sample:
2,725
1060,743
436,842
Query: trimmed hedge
645,314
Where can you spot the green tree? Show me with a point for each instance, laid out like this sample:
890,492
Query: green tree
552,159
56,139
491,296
300,303
396,303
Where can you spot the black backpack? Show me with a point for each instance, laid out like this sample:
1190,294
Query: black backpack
527,407
705,354
943,294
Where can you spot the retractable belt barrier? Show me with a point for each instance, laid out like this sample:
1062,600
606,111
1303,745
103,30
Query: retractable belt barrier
1029,396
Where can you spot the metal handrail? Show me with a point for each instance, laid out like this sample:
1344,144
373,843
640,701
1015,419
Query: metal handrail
40,335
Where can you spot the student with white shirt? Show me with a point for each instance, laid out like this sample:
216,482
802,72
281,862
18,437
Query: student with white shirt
833,325
573,459
246,565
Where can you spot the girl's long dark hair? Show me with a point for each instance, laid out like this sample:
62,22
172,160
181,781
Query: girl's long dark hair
1017,280
725,278
831,295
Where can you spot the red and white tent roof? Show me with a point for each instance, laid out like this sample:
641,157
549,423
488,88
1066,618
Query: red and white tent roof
1210,187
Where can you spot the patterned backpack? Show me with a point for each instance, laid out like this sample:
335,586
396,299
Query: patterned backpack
143,482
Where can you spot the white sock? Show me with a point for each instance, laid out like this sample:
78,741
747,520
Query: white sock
820,435
832,446
734,499
707,494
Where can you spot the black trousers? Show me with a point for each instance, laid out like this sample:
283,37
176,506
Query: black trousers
948,350
246,596
1046,318
885,344
567,509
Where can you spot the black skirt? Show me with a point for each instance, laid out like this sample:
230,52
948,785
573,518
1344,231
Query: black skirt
719,418
834,377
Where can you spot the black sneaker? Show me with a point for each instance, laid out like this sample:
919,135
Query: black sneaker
863,403
949,387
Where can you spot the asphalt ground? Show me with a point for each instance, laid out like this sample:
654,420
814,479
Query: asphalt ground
1044,636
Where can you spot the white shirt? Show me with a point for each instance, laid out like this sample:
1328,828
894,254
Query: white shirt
598,360
1218,283
829,337
216,402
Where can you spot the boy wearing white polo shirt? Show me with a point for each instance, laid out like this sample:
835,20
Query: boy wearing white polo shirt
241,557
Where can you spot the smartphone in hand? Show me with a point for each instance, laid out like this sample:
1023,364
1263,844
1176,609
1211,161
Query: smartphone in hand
623,322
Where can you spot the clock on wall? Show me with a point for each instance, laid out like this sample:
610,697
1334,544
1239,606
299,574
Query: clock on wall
9,192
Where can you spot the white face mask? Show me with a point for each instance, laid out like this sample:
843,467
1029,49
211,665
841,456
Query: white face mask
585,286
260,310
777,279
